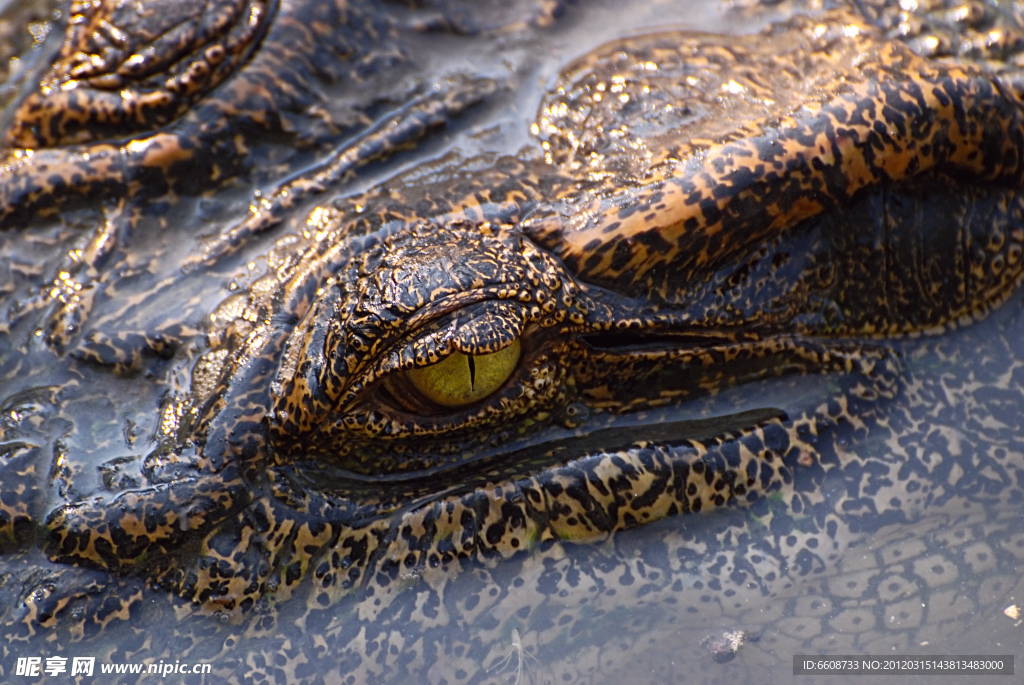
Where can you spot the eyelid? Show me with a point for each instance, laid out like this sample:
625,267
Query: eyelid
486,328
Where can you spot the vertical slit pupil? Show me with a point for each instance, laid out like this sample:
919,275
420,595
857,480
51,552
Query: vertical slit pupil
472,371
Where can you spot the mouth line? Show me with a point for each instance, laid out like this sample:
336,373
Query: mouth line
550,448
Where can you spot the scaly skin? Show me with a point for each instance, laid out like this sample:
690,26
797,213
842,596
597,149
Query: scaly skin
314,487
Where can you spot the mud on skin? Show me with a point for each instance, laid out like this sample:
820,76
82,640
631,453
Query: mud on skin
389,453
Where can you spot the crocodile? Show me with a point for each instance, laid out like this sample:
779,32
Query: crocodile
702,366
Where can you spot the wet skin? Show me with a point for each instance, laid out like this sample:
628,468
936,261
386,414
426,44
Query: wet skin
740,237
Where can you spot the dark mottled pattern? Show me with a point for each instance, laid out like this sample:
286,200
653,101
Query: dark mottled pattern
718,188
127,68
669,267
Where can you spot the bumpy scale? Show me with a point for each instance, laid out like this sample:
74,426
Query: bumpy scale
370,296
638,264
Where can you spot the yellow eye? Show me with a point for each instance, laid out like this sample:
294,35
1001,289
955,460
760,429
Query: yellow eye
462,379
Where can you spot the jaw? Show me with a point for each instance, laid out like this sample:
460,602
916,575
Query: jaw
616,395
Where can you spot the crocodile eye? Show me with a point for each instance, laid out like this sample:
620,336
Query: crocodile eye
462,379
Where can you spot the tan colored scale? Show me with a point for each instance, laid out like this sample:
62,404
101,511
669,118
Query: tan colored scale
372,304
692,206
124,69
319,493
